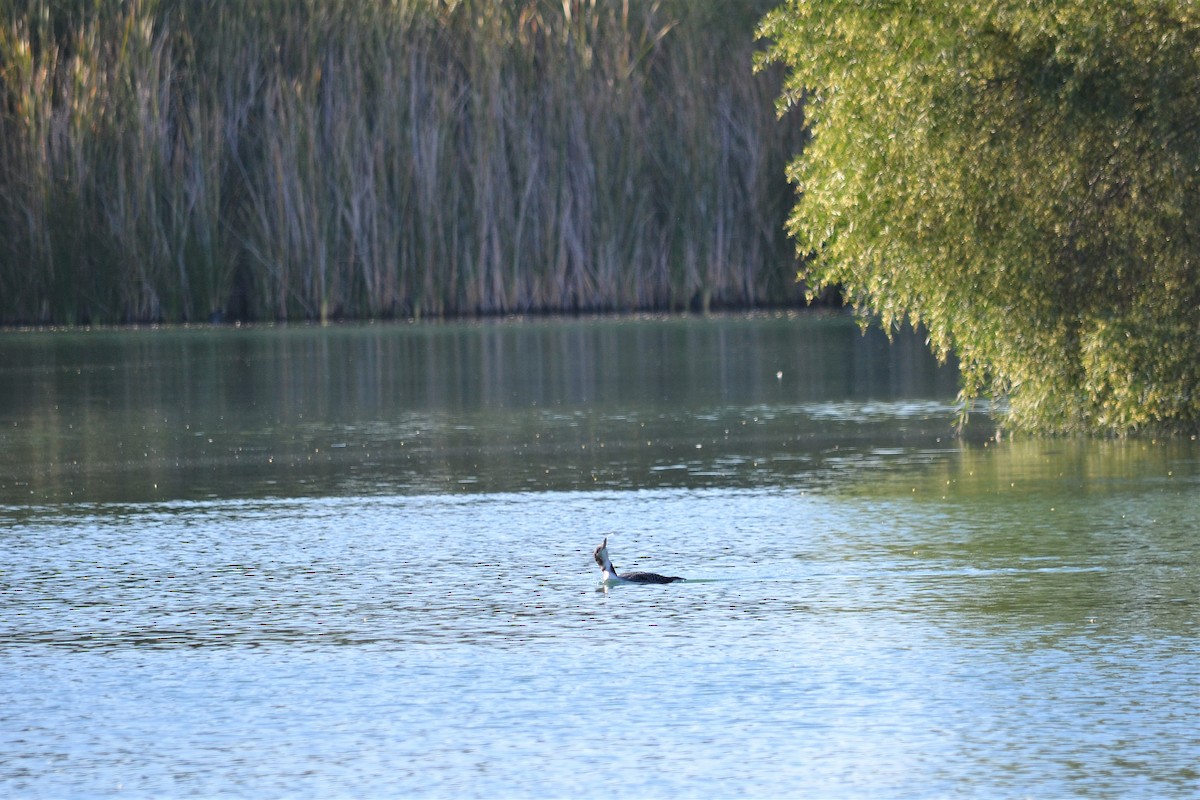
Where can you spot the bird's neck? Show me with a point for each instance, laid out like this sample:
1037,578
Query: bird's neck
608,572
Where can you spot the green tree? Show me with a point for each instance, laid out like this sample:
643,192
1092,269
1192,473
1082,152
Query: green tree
1023,180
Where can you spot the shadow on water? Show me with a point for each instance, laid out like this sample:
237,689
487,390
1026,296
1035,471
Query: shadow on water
138,416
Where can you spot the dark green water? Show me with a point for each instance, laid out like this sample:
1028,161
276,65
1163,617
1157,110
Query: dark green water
356,561
146,415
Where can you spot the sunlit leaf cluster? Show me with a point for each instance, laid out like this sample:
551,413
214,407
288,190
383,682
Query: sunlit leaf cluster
1020,179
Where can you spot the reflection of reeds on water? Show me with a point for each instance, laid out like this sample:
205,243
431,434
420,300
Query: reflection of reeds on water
170,160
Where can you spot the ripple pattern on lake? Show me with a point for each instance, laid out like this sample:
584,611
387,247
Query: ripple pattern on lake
448,643
338,579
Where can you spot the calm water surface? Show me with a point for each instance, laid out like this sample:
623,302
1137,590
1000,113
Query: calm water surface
357,562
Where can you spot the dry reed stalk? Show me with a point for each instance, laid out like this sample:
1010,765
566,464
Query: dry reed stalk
329,158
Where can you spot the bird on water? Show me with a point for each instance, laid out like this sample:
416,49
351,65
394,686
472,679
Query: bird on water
609,572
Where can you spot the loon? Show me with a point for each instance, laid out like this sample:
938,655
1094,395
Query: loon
609,572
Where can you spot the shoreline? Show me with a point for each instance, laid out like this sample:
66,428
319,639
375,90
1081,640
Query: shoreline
747,312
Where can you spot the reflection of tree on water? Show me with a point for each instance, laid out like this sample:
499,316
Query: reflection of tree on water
459,407
1077,537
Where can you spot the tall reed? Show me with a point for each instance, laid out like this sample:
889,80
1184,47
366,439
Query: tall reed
308,159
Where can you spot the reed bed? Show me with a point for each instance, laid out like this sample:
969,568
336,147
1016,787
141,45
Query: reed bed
183,160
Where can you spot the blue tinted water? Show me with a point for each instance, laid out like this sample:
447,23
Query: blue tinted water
874,609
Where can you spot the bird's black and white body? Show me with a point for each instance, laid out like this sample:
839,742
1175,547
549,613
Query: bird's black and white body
609,573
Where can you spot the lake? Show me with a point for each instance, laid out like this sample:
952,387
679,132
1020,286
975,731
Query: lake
357,561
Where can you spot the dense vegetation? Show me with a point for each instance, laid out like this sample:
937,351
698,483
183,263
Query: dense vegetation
301,159
1023,179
